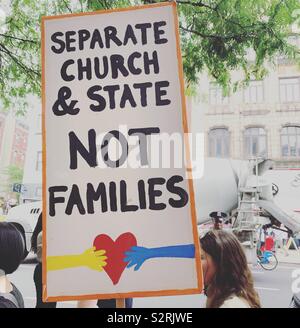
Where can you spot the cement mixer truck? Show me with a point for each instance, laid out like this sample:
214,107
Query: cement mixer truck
240,188
253,194
250,192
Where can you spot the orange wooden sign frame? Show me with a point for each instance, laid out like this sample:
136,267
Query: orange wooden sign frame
188,161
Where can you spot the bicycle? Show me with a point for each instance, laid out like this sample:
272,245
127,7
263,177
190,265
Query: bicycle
267,260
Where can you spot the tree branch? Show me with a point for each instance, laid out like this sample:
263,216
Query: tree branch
216,9
18,62
198,33
195,4
18,39
214,36
219,4
276,9
68,7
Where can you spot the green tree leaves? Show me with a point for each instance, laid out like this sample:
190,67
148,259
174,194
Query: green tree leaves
215,35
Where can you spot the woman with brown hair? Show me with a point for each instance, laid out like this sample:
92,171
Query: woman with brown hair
227,278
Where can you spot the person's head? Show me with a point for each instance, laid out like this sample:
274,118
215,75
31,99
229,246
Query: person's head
218,219
225,269
11,247
218,224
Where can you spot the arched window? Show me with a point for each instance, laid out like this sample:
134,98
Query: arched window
219,142
255,142
290,141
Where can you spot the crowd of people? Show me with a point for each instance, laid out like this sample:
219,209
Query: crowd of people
228,281
278,238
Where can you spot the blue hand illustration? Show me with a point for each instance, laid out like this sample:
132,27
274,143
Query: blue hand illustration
138,255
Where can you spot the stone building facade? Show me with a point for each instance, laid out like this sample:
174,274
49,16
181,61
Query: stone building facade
261,120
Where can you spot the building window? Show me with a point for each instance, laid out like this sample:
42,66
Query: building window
39,161
216,96
289,89
254,93
255,142
219,143
290,141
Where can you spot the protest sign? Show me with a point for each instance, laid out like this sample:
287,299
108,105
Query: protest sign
114,225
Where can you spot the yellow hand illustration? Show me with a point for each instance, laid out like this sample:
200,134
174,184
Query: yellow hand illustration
95,260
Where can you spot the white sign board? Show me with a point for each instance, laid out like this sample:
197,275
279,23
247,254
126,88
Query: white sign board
114,224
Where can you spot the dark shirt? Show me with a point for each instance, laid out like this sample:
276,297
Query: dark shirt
37,277
6,303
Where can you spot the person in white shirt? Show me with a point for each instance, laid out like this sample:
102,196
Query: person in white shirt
227,279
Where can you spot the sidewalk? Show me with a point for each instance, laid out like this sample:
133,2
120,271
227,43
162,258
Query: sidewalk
293,256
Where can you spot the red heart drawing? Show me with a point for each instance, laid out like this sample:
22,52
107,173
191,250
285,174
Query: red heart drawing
115,252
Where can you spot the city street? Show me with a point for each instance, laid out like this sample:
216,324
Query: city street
274,288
